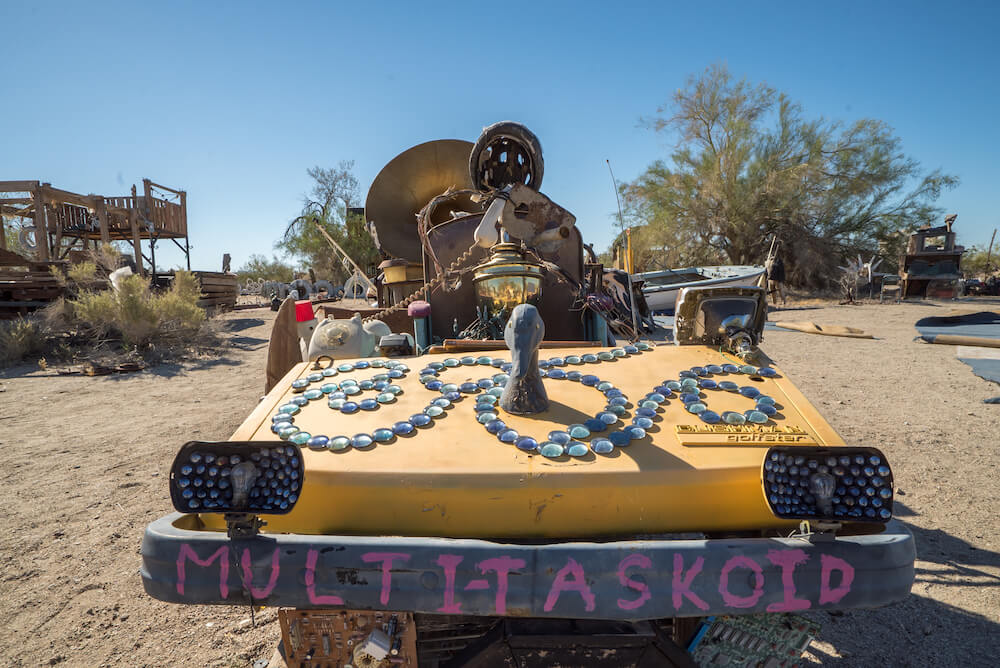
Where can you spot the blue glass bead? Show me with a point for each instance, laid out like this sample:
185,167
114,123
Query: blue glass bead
318,442
767,409
617,410
349,407
396,373
402,428
708,384
368,404
635,432
437,366
643,422
619,439
451,362
486,399
732,417
556,361
484,360
485,408
604,386
362,364
453,396
710,417
383,435
300,438
551,450
645,412
618,352
749,392
602,446
362,440
501,379
656,396
377,363
328,373
327,388
764,399
384,376
767,372
605,356
578,431
595,425
468,388
696,407
526,443
664,390
433,410
699,370
300,383
756,417
713,368
607,417
495,426
288,432
495,391
689,385
508,436
576,449
589,358
689,397
420,420
282,417
497,362
347,382
574,359
366,384
435,385
557,374
618,401
277,427
574,376
613,392
728,386
345,367
560,437
506,367
385,398
484,418
298,401
642,345
468,360
730,368
352,389
590,380
687,374
484,383
336,403
631,350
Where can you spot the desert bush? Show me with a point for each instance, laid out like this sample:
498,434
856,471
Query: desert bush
82,272
19,338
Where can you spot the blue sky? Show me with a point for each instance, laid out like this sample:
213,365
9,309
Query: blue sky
234,101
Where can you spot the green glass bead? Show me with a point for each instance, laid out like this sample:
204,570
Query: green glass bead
339,443
618,352
327,388
394,389
289,409
484,360
485,417
574,359
348,382
468,360
617,410
351,389
386,398
383,435
380,376
327,373
451,362
433,410
732,417
757,417
495,391
578,431
487,399
576,449
336,403
378,364
449,387
649,404
590,358
312,394
551,450
345,367
604,386
426,379
674,385
288,432
605,356
501,378
696,407
300,438
764,399
746,368
642,345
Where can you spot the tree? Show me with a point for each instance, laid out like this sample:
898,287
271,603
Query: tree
259,267
749,165
976,262
333,195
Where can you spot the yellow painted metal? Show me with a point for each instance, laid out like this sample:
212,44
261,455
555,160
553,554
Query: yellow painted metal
454,479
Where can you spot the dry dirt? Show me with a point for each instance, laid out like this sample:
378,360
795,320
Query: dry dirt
83,464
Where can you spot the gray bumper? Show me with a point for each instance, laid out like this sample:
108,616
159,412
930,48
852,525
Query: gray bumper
628,580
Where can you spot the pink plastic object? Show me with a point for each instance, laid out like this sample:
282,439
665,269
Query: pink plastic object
304,311
419,309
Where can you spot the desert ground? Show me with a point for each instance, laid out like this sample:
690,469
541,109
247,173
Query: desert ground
83,465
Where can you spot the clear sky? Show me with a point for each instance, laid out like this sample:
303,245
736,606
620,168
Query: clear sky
234,101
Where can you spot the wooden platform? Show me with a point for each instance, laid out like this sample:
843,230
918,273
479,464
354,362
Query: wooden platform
25,285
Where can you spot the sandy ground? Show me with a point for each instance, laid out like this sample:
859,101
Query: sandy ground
83,464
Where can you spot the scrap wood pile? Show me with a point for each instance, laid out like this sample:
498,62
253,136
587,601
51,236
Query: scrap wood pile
218,289
25,285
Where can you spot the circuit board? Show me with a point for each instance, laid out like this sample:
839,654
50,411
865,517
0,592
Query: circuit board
348,638
771,641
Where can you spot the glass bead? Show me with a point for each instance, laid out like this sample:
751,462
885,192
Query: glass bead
578,431
449,387
345,367
696,407
433,410
468,360
709,417
604,386
396,373
689,385
386,398
589,358
732,417
426,378
648,404
327,388
420,420
747,369
699,371
468,388
362,440
665,391
730,368
451,363
288,432
383,435
385,376
318,442
312,394
708,384
497,362
883,471
435,385
574,359
453,396
618,352
767,372
656,396
298,401
687,374
617,410
328,373
484,360
495,391
618,401
767,409
349,407
601,446
560,437
551,450
483,418
394,389
352,389
619,439
607,417
576,449
557,374
589,380
402,428
500,379
635,432
336,404
645,412
595,425
508,436
282,417
495,426
300,383
437,366
574,376
642,345
885,493
362,364
442,402
348,381
631,350
526,443
764,399
713,368
749,392
484,383
276,427
300,438
756,417
643,422
605,356
486,399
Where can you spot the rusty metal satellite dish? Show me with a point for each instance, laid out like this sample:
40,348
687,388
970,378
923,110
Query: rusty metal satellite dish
407,184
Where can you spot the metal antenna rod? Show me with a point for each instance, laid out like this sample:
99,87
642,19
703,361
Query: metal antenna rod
628,271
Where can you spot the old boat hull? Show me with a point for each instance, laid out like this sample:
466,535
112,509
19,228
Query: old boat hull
661,293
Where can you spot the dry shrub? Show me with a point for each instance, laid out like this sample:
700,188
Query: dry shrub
19,338
82,272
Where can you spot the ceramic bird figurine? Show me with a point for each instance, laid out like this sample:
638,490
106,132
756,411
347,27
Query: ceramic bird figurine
524,393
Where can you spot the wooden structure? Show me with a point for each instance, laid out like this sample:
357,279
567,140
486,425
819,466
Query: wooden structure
218,289
930,266
63,221
25,285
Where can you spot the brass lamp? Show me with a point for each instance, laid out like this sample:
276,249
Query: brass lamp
506,279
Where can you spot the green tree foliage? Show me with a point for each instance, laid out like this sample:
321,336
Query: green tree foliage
259,267
748,165
335,191
976,262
